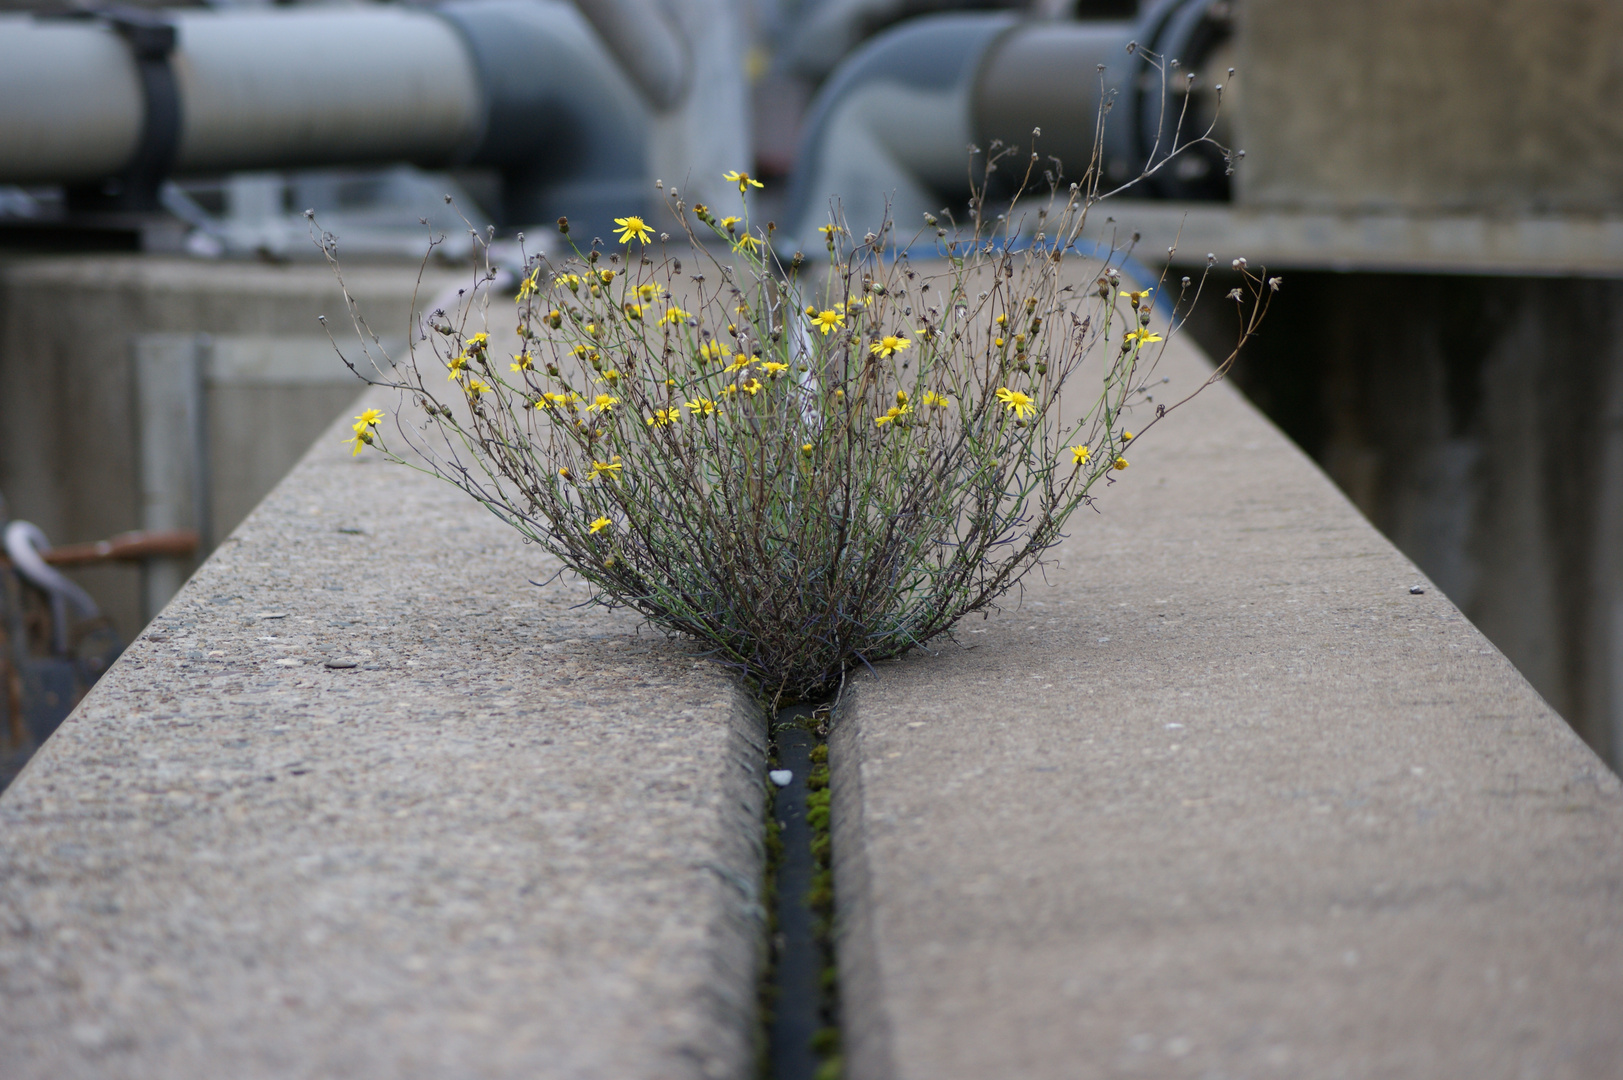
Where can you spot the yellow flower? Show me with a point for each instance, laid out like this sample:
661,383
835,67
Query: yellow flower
729,223
1079,455
603,403
530,284
633,228
703,406
674,314
1018,403
1126,436
1003,320
550,400
742,179
651,291
729,391
662,417
633,311
805,448
477,386
569,281
998,342
369,418
747,242
712,350
889,345
1121,463
1142,337
740,362
773,368
1135,298
829,230
933,398
362,437
604,468
610,375
456,364
599,525
894,412
522,362
828,320
477,342
605,276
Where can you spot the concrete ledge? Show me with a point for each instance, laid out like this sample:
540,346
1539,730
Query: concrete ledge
1391,241
502,837
1223,799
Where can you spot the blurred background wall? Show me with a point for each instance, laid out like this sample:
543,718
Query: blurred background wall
1440,182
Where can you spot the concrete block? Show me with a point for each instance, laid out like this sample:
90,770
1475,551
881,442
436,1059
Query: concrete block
361,802
1431,105
1218,795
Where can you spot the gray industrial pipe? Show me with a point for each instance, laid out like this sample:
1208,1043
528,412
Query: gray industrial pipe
110,105
896,119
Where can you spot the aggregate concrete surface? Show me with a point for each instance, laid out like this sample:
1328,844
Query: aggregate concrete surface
1219,797
363,803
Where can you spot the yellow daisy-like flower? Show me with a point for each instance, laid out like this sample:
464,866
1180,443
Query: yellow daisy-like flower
633,228
674,314
1017,403
663,417
610,375
369,419
712,350
568,281
829,230
893,413
729,391
932,398
599,525
457,364
1126,436
1136,298
522,362
477,386
1003,320
828,320
1079,455
998,342
478,342
1141,337
752,387
747,243
1120,463
362,437
650,292
730,223
530,285
603,403
889,345
633,311
805,448
743,179
605,276
740,362
774,368
703,406
562,401
604,468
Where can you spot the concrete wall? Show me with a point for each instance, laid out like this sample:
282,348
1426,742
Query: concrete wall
1515,105
1478,422
69,430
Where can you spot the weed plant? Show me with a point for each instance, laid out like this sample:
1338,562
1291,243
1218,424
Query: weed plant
803,465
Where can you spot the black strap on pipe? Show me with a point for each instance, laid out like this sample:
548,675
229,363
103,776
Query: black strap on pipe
152,40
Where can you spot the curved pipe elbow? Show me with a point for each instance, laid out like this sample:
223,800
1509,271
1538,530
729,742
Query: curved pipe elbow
895,120
649,47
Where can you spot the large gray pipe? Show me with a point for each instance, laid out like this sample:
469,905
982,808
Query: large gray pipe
522,85
894,123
